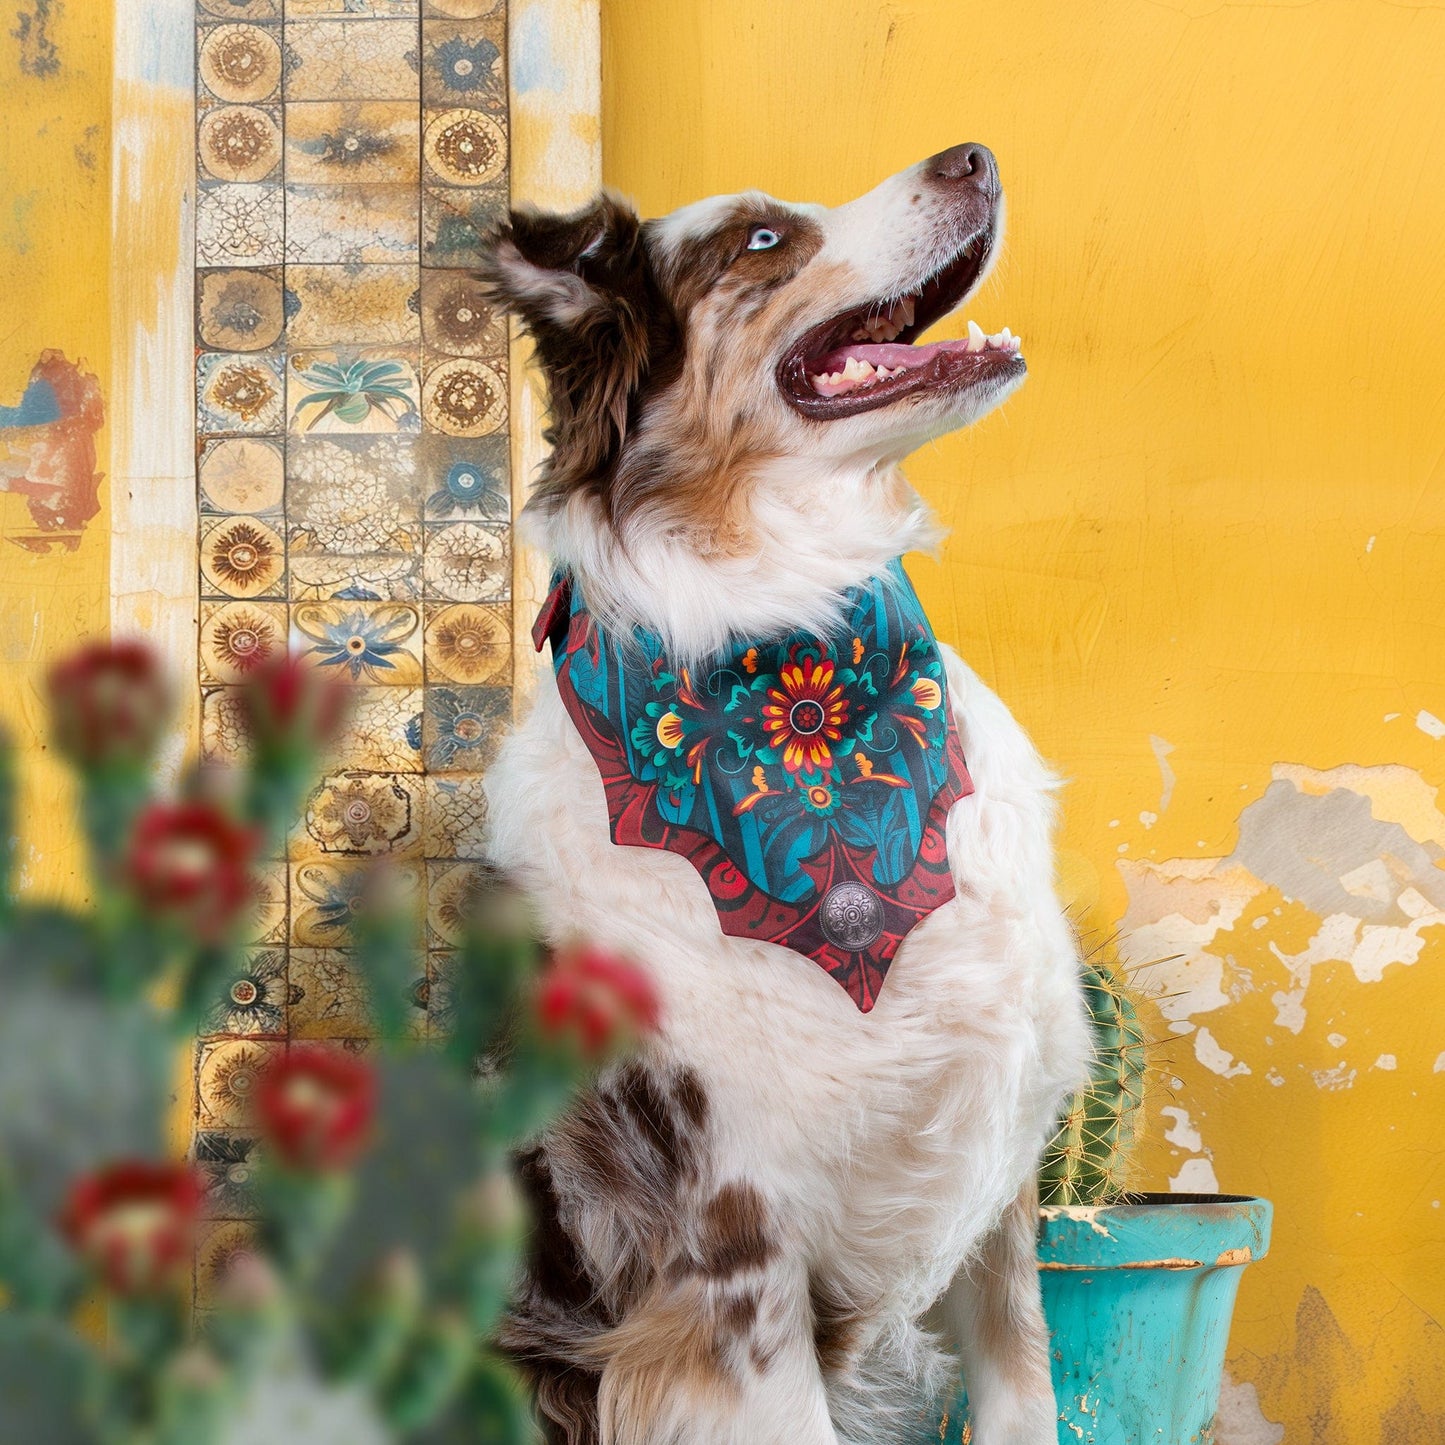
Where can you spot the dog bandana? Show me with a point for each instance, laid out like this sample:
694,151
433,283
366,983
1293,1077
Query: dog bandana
807,779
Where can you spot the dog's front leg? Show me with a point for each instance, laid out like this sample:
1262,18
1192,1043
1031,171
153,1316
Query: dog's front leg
994,1311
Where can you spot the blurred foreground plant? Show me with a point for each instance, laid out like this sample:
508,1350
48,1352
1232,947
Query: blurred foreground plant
387,1228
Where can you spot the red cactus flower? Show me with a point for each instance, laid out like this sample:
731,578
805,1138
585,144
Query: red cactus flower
599,1000
287,704
804,715
135,1222
315,1107
190,862
109,704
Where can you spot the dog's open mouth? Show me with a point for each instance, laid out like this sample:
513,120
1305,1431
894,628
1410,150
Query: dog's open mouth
867,357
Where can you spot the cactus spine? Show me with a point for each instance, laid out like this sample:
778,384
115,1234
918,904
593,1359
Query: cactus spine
1088,1160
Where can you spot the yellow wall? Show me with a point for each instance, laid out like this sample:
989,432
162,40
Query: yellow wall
1214,517
55,260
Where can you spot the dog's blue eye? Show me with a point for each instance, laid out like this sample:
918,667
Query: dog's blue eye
762,239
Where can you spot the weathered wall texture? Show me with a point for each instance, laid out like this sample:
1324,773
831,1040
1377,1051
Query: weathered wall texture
1202,555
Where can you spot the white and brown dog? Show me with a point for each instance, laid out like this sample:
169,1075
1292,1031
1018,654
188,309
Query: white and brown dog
741,1229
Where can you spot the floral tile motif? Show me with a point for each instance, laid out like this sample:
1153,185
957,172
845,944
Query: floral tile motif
352,495
360,642
351,59
295,9
240,63
239,225
368,577
239,142
454,222
456,317
453,893
462,727
334,305
239,309
237,637
351,142
361,223
456,817
465,398
465,64
465,478
227,1165
359,814
238,393
463,9
243,557
330,996
253,1001
468,562
463,146
243,9
242,474
325,898
269,898
469,644
227,1073
351,391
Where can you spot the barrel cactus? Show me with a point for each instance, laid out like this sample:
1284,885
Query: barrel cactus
1087,1161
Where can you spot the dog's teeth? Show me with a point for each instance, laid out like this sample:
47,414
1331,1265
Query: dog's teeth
903,312
976,337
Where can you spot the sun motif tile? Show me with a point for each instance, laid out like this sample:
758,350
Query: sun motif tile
352,391
465,64
351,59
242,474
463,146
351,142
456,222
465,398
239,392
462,727
453,892
361,814
240,63
227,1163
465,477
468,562
237,637
469,644
334,305
239,142
456,317
252,1001
227,1073
239,309
222,1245
455,817
464,9
239,225
243,9
242,557
353,495
266,920
360,642
348,224
296,9
383,729
331,997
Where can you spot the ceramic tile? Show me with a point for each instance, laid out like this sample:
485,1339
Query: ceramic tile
351,142
360,642
353,495
468,644
253,1000
330,997
455,222
456,317
221,1245
242,9
224,737
464,146
240,63
383,729
331,305
369,577
465,64
351,59
270,896
353,391
324,899
455,822
468,562
453,892
350,223
379,9
242,557
237,637
358,814
227,1072
462,727
464,397
239,309
465,478
227,1164
242,474
464,9
238,142
441,974
239,392
239,225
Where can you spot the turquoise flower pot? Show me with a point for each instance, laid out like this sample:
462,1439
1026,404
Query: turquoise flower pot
1138,1298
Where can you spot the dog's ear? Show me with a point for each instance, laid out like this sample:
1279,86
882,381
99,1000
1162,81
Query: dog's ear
583,287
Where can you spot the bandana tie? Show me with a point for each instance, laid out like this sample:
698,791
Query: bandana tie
807,779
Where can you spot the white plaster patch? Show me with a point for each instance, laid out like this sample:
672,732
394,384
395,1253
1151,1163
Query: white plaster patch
1429,724
1336,1041
1162,748
1216,1058
1241,1420
1182,1132
1196,1176
1439,1065
1385,1061
1148,819
1275,1077
1342,1076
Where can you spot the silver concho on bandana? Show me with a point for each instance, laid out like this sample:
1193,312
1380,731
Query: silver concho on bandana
851,916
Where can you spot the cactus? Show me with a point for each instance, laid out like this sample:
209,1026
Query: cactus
1088,1160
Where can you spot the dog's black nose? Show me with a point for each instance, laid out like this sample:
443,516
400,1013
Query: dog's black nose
966,165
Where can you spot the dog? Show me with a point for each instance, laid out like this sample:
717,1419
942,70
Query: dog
740,1231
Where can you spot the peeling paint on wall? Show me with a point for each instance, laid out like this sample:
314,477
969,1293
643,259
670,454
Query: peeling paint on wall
39,54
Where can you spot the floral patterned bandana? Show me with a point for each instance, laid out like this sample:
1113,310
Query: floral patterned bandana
807,779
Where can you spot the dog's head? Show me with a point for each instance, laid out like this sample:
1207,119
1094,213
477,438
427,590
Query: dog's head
686,355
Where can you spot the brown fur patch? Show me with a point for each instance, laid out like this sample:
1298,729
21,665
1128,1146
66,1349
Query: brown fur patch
733,1235
835,1327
